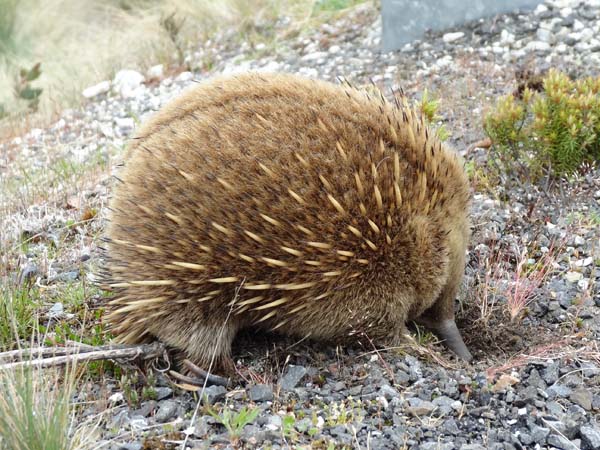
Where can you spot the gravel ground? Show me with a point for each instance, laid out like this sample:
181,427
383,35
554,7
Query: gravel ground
536,379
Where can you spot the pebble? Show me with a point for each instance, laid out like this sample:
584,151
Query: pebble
573,277
452,37
166,411
127,83
582,397
561,442
97,89
292,377
418,407
590,437
156,71
261,393
214,394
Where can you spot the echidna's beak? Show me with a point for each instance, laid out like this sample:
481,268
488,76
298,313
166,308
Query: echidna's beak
448,331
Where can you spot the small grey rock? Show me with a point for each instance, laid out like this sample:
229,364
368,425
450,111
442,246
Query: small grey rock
558,390
526,396
472,447
539,434
558,441
214,394
292,377
582,397
444,404
163,392
166,411
203,426
261,393
130,446
67,277
146,408
590,437
401,377
436,446
550,373
419,407
56,311
388,392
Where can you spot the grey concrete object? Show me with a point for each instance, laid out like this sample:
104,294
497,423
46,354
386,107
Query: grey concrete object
407,20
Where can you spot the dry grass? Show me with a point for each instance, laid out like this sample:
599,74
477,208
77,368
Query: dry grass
511,278
81,42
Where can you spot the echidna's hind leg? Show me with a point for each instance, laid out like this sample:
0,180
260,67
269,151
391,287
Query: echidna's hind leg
207,350
200,378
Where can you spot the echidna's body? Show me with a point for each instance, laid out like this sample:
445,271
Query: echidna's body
278,202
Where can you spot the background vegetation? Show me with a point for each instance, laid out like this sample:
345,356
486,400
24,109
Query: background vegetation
78,43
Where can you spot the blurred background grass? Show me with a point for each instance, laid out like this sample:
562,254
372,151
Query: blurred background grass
82,42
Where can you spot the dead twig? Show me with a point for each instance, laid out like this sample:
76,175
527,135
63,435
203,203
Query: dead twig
77,354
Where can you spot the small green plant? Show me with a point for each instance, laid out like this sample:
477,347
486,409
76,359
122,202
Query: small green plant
333,5
429,107
287,426
128,385
553,132
24,89
17,319
232,421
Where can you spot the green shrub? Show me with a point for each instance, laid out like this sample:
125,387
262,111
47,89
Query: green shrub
552,132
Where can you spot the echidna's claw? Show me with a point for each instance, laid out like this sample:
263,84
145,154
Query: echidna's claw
202,377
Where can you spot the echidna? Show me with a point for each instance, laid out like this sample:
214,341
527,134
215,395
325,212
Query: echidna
281,203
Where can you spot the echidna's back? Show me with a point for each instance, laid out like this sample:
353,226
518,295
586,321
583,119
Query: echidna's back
299,195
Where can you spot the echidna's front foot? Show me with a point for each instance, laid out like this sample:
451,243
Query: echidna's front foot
200,379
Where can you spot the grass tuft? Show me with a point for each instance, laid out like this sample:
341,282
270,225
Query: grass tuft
36,410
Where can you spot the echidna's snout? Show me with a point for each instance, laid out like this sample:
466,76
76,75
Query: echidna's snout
448,331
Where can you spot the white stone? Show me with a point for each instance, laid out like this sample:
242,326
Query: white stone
584,35
156,71
545,35
96,89
127,83
507,37
573,277
583,284
565,12
444,62
561,48
271,66
537,46
185,76
334,49
540,9
125,123
451,37
584,262
314,56
578,25
117,397
106,129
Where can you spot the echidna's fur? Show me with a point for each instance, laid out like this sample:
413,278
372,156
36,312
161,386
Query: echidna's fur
282,203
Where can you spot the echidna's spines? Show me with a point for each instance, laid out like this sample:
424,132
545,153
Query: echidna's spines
352,166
